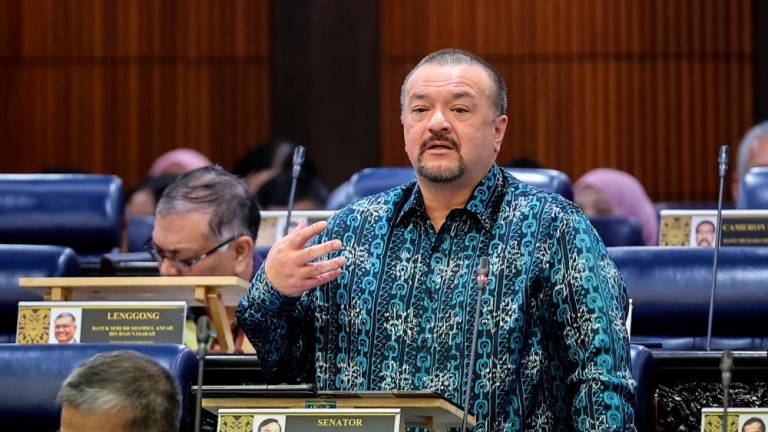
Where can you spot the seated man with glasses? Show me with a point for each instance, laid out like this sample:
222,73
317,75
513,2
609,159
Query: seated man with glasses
205,225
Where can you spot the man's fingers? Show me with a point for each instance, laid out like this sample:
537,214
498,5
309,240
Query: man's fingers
326,277
314,252
318,268
301,235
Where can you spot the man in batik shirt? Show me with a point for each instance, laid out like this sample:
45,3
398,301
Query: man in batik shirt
389,286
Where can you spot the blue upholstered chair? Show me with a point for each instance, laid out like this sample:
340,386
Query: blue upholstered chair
644,374
138,230
31,376
670,289
618,231
28,261
80,211
753,189
374,180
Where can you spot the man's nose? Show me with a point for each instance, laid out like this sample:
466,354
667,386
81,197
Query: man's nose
166,269
438,122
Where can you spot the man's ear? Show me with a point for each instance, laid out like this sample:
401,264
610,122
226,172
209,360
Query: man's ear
243,248
499,129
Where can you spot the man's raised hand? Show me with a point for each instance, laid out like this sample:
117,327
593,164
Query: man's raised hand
291,267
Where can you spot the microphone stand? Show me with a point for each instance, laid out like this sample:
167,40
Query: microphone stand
722,160
298,160
203,336
726,370
482,279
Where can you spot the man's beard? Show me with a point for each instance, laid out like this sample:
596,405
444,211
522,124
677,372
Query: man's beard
440,175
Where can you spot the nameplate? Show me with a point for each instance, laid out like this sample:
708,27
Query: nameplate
755,419
699,228
101,322
310,420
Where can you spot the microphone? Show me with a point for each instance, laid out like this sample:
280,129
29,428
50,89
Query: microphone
722,169
203,337
726,371
298,160
482,279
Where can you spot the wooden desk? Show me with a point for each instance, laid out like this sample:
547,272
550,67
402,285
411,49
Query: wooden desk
436,413
213,292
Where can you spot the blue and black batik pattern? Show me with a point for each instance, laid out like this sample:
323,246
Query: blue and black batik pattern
552,352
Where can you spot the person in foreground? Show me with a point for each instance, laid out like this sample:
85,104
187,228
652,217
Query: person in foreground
389,286
120,391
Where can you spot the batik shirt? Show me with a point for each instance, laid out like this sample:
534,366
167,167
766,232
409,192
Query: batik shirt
552,351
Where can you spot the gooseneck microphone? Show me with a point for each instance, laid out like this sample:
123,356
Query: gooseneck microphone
726,371
298,160
483,268
722,169
203,337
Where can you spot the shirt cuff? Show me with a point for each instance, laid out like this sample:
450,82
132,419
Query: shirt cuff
264,294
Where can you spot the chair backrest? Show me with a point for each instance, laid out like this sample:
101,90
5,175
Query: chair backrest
670,288
28,261
138,230
370,181
618,231
80,211
753,189
31,376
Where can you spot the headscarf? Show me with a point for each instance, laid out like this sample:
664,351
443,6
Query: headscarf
626,196
178,161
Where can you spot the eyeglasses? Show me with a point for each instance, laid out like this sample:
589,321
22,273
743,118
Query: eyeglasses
185,263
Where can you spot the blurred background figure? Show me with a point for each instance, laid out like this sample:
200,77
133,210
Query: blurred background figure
267,160
263,162
178,161
311,193
610,192
143,199
753,152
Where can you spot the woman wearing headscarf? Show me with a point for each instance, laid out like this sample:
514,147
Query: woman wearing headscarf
178,161
610,192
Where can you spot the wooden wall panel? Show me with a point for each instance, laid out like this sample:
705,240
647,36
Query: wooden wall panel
652,87
108,86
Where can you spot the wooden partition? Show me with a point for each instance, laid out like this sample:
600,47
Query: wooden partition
650,87
107,86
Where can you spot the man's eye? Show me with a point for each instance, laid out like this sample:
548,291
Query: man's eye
460,110
419,110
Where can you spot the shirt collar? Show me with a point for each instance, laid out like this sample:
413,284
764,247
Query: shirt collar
482,203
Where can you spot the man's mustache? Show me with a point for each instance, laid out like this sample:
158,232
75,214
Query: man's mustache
439,138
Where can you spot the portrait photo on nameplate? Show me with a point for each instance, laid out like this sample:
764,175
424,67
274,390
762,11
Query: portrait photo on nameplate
739,419
101,322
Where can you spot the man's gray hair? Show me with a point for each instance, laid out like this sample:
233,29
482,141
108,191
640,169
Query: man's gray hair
125,380
457,57
65,315
758,132
211,189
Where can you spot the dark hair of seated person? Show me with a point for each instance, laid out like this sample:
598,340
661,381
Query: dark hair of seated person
274,194
155,184
273,153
